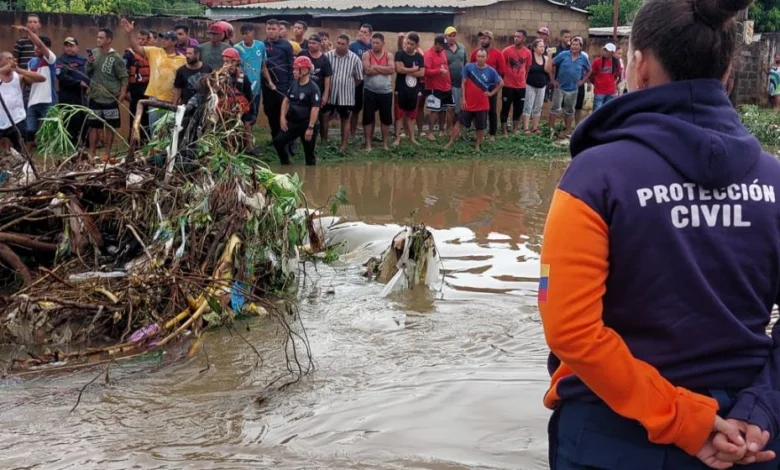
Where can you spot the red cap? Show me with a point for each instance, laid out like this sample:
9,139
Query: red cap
303,62
216,28
231,53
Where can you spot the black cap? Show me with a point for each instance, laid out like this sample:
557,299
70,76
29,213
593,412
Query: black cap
440,39
168,35
315,38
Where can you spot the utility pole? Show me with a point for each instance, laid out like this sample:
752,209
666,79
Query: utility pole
615,17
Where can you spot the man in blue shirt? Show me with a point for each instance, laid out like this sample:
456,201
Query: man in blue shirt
359,46
572,70
253,59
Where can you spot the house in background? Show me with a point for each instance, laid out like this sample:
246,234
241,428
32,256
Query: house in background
428,17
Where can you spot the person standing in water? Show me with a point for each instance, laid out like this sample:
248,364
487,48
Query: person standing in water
300,113
661,264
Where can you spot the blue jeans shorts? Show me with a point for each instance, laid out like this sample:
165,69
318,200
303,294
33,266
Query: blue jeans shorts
35,113
601,100
590,436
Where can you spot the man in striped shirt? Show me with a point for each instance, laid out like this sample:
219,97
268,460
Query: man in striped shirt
24,49
347,75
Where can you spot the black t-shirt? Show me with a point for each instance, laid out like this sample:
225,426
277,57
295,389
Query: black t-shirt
322,68
407,84
187,80
302,99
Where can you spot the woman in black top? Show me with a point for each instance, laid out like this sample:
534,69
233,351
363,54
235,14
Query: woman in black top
300,112
536,83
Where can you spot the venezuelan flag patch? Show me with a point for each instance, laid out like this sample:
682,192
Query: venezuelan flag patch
544,280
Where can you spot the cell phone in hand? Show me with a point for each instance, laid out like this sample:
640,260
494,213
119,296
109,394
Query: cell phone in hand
89,51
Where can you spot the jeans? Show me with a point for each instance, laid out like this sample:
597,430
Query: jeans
35,113
534,99
585,435
601,100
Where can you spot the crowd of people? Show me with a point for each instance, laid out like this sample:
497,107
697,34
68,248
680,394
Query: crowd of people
342,80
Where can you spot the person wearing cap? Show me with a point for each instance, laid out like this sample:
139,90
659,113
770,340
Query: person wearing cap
74,83
241,86
300,114
183,39
517,59
543,33
211,52
320,74
163,63
107,88
253,59
480,83
438,82
496,60
379,68
43,95
456,60
606,74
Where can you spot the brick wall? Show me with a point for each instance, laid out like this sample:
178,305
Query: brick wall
751,87
506,17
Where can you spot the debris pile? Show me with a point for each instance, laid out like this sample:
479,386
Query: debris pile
183,234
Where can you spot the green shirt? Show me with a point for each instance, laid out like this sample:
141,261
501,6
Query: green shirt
209,54
107,76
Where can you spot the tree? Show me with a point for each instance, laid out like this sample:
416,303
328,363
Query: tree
766,14
117,7
604,10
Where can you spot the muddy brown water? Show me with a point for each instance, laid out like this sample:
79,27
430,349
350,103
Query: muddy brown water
401,382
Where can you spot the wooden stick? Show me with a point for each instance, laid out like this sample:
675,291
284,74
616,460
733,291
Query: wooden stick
16,263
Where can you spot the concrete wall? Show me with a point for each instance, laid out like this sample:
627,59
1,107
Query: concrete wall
751,87
506,17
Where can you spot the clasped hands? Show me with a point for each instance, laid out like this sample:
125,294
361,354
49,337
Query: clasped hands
734,442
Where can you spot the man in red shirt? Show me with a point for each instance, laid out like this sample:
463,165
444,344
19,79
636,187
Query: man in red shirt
481,83
606,74
517,59
496,60
437,80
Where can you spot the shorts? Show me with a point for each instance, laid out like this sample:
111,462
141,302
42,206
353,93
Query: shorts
358,99
479,118
446,100
254,110
580,98
457,98
13,136
373,102
343,111
108,112
407,105
35,113
565,100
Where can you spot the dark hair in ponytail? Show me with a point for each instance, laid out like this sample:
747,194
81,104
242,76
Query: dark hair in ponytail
692,38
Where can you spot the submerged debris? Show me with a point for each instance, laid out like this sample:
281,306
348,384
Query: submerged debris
128,257
410,261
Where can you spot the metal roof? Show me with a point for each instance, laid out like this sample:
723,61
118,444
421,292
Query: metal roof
344,5
607,31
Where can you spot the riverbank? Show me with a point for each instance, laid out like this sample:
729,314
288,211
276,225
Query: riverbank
514,147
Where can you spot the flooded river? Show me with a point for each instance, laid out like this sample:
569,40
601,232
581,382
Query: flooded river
401,382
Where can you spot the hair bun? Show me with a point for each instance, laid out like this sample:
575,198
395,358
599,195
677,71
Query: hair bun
718,13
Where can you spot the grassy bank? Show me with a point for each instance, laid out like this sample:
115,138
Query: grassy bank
517,147
763,123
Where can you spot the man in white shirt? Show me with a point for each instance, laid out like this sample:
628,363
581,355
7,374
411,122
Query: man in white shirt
43,95
13,79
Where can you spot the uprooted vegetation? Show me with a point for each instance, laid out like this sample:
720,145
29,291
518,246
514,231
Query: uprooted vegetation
105,261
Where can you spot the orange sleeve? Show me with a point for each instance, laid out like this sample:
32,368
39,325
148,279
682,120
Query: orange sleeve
574,272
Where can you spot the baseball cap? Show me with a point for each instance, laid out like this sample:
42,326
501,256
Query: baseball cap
70,41
168,35
440,39
610,47
450,30
486,33
315,38
543,30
